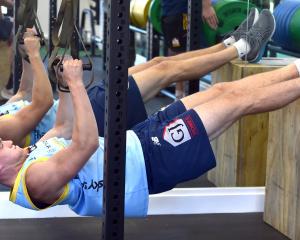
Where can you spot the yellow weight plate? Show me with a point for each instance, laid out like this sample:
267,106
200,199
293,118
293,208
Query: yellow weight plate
132,20
140,11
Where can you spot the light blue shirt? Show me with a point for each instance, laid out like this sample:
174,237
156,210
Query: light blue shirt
44,125
84,193
12,108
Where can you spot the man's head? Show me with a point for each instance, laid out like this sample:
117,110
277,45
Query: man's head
10,161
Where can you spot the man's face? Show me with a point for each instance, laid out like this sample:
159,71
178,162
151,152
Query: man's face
9,154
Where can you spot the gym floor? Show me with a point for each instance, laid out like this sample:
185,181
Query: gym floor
183,227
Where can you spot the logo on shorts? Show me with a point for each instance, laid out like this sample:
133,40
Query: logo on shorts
176,133
155,141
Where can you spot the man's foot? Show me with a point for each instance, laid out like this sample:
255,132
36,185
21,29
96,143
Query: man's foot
259,35
246,25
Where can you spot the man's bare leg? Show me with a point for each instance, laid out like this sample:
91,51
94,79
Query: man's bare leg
220,113
251,82
153,79
183,56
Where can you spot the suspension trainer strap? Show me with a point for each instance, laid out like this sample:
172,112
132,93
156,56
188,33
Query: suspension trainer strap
65,22
25,14
62,36
27,18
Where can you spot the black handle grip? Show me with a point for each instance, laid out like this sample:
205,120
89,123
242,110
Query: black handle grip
87,67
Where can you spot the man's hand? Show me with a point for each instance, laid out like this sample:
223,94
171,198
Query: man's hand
29,33
32,44
209,15
72,72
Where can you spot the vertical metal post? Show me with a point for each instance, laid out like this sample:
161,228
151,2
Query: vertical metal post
193,34
132,52
89,13
115,119
93,42
52,19
152,42
17,63
96,9
104,35
75,37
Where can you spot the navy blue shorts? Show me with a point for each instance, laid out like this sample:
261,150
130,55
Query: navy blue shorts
175,146
136,111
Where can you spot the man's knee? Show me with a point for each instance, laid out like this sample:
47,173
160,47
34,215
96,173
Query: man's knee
158,60
223,87
240,98
168,67
169,71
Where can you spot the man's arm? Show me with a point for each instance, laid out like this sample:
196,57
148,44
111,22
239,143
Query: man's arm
45,180
25,88
23,122
64,118
209,15
63,126
26,81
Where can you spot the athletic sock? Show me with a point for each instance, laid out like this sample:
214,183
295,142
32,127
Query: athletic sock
242,47
297,63
229,41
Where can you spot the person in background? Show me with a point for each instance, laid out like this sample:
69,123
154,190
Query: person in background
174,26
6,38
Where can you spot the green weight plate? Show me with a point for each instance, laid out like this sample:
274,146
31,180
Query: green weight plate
295,29
155,15
230,14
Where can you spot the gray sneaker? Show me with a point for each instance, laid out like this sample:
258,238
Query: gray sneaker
259,35
246,24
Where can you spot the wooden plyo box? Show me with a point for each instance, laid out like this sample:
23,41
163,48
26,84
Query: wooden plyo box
282,201
241,151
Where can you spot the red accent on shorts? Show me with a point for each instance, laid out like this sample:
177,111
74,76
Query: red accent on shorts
191,125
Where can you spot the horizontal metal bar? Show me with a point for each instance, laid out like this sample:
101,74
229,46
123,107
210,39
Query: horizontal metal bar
281,50
144,32
168,94
138,30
